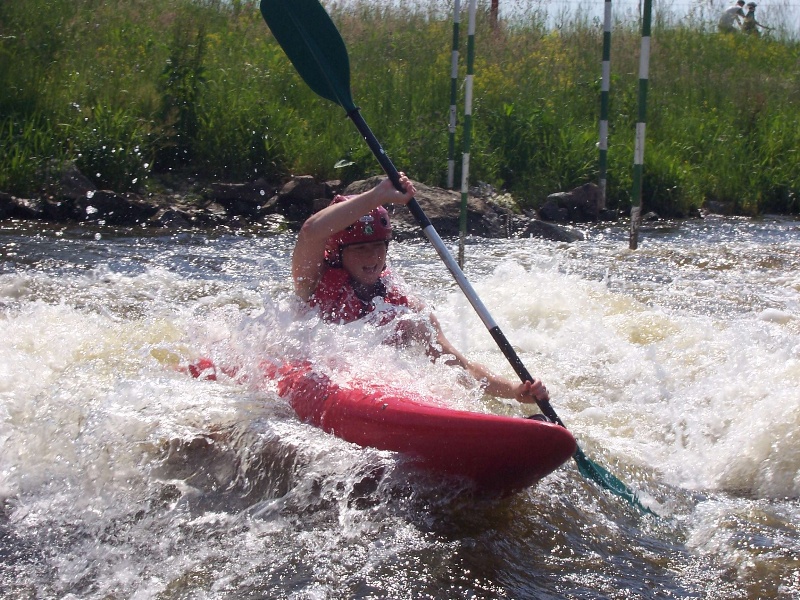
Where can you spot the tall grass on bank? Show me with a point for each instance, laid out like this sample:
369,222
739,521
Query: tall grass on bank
200,87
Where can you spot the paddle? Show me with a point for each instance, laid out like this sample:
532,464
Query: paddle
314,46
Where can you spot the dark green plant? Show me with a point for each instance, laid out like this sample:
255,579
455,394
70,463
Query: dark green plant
111,147
181,85
28,146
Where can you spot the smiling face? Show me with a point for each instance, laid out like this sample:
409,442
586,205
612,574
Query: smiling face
365,262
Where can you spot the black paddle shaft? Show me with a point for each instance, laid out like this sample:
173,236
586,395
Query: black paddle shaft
387,165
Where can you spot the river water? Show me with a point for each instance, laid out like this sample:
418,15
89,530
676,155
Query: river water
676,366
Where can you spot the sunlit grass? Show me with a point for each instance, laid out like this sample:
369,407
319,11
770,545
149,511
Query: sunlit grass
126,89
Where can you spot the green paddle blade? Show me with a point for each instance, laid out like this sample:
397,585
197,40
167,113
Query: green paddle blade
591,470
314,46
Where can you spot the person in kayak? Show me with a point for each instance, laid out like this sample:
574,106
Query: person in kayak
339,267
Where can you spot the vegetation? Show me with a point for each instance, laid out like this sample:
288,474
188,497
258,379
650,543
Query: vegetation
200,87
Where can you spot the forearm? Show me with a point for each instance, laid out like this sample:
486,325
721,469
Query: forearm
493,384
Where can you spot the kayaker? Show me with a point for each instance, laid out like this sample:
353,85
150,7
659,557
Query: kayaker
339,266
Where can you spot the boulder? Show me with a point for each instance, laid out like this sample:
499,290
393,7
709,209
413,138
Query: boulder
717,207
73,184
550,231
170,218
114,209
6,205
581,205
300,198
62,179
12,207
242,199
59,210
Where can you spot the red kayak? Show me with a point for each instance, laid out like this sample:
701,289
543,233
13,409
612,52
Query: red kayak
497,453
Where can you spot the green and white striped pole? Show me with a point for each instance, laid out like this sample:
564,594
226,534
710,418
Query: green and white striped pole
605,86
638,153
451,151
462,222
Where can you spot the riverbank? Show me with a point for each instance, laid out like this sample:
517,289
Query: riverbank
126,90
68,196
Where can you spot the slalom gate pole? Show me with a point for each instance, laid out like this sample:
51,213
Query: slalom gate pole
462,222
638,153
451,150
605,86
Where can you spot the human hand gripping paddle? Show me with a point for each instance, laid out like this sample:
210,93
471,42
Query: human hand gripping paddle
307,34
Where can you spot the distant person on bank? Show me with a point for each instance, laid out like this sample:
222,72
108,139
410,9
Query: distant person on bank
750,25
730,18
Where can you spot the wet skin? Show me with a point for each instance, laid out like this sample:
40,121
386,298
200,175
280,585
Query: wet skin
365,262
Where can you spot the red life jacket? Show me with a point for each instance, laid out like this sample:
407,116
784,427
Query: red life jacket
337,299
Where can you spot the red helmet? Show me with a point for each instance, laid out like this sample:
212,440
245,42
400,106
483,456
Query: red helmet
375,226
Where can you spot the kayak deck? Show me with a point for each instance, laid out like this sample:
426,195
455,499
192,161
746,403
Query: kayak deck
497,453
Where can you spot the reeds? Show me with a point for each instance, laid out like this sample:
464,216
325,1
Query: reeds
127,89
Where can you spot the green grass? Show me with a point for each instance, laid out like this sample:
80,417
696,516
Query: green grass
129,89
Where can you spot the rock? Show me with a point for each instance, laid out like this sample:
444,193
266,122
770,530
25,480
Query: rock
6,204
717,207
301,197
551,211
209,214
334,186
237,222
581,205
59,210
275,223
303,188
39,209
73,184
21,208
114,209
63,179
242,199
609,215
552,232
170,218
213,211
268,206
